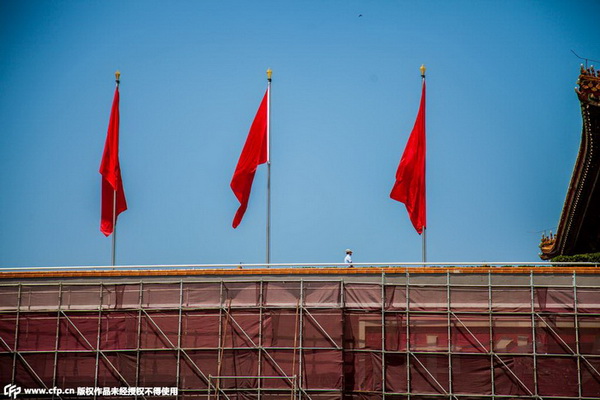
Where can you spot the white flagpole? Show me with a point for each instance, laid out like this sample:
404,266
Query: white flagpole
424,244
269,73
114,233
424,235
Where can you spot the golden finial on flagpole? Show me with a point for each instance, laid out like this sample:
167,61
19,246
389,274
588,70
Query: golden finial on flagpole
422,70
269,73
118,77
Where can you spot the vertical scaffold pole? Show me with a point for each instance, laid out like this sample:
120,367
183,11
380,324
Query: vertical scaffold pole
301,344
261,301
297,320
98,336
343,330
56,341
577,344
533,335
408,352
179,326
383,334
139,335
449,331
16,344
491,333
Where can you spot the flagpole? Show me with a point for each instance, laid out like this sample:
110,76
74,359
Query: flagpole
424,244
424,235
269,73
114,233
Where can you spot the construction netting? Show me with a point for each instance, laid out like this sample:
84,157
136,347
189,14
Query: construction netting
397,336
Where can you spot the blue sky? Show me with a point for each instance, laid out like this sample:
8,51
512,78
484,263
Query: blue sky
503,126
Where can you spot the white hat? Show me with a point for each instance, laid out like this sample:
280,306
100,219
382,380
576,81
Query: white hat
348,251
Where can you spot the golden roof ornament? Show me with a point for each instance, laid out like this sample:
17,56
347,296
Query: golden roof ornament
589,83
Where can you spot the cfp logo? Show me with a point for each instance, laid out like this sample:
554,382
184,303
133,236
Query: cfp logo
12,391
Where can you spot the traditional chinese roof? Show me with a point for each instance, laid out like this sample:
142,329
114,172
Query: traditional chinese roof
579,226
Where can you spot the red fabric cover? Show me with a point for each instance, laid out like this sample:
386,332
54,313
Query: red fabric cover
557,376
554,299
8,323
241,364
241,293
410,176
395,298
511,299
76,369
590,381
253,154
159,330
363,296
468,299
9,297
6,365
241,329
281,293
119,331
471,374
120,296
189,376
123,364
505,381
323,328
80,297
433,298
555,334
588,300
111,173
341,345
429,373
156,295
470,333
322,368
201,294
37,331
322,294
79,331
39,297
395,373
42,365
157,369
362,371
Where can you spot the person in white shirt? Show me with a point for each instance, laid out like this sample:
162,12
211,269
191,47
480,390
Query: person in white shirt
348,258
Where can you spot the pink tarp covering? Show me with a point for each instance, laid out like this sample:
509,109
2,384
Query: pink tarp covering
321,336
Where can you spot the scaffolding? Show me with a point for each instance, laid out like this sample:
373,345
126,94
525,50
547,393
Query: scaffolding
363,334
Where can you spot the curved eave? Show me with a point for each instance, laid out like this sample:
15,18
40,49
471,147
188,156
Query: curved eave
579,225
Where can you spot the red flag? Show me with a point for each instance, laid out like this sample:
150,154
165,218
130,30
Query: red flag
410,177
111,173
253,154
